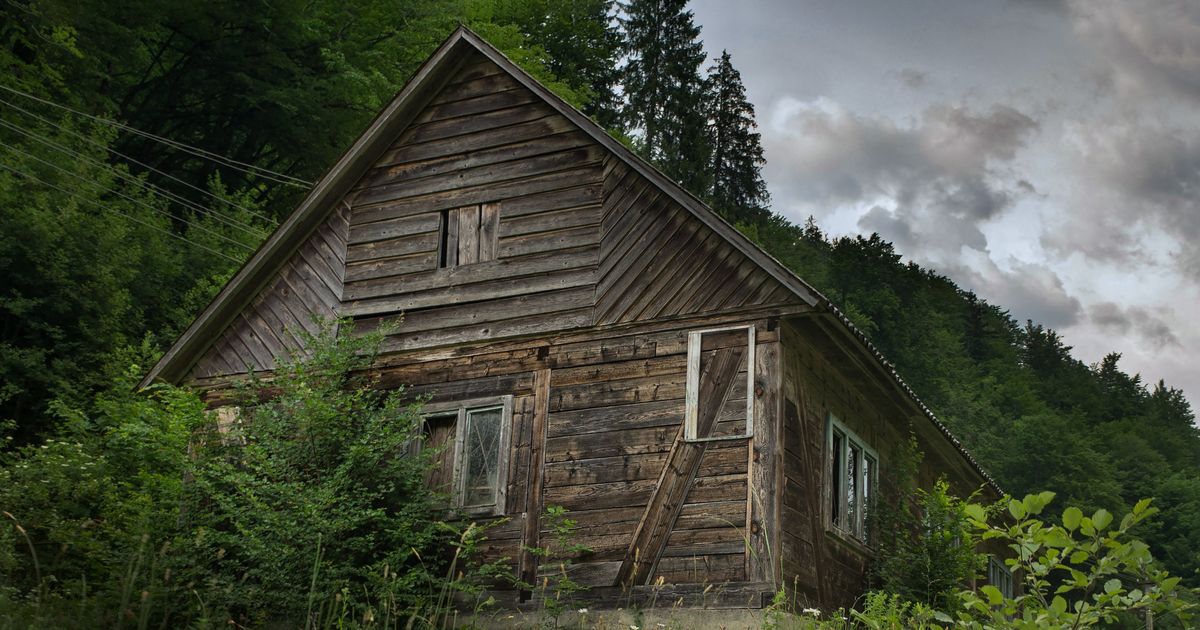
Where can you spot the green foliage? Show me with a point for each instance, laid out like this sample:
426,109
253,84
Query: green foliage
557,590
664,89
1085,572
932,552
313,507
737,189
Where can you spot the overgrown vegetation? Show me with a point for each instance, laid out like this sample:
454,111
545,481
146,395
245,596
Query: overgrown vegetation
311,508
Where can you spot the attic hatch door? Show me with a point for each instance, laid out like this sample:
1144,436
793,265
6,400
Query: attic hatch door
468,235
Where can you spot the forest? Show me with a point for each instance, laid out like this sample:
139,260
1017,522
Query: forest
147,149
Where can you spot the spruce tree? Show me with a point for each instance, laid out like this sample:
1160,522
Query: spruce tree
737,191
583,45
664,89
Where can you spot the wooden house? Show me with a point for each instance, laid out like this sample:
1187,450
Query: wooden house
592,337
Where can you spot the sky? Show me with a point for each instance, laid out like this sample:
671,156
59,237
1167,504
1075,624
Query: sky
1044,154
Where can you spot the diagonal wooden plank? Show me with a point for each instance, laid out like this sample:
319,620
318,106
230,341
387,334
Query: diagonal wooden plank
683,461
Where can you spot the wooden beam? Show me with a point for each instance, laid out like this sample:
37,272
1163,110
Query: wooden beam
683,461
533,496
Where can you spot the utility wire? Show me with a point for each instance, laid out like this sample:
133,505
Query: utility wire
117,153
119,213
170,196
127,197
208,155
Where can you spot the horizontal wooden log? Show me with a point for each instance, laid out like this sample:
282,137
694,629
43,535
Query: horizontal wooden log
570,176
513,289
364,288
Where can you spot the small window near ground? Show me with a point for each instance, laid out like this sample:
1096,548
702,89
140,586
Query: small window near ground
468,235
472,438
853,472
720,384
1000,576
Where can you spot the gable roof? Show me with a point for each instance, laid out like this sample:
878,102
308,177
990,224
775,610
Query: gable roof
333,186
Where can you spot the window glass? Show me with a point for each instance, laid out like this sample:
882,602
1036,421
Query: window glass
854,467
852,487
481,470
836,478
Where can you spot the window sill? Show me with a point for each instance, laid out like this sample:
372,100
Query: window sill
849,541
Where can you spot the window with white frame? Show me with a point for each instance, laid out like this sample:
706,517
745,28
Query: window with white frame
473,441
1000,576
853,469
720,384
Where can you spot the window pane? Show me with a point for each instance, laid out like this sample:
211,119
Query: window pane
439,436
481,470
835,478
852,488
868,491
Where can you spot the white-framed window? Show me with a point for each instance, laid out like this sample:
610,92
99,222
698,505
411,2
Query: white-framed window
853,472
735,394
474,437
1000,576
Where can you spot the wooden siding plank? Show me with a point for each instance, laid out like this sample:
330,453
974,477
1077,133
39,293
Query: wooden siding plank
468,158
383,283
480,175
399,246
475,141
572,175
547,241
468,235
489,228
394,228
503,287
442,129
359,272
528,325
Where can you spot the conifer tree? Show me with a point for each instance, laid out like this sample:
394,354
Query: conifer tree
737,191
582,44
664,89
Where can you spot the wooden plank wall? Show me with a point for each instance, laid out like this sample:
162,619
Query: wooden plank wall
487,141
309,284
615,407
824,568
658,260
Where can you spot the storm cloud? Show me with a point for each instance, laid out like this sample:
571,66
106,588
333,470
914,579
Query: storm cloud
930,182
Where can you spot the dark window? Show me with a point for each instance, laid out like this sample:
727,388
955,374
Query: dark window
852,477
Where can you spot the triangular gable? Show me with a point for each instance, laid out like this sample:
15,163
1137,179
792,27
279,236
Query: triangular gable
462,48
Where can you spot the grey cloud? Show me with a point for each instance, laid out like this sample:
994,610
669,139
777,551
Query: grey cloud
932,181
914,79
1147,44
1028,291
1112,317
1134,175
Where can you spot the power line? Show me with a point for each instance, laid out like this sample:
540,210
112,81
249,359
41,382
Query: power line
117,153
264,173
170,196
119,213
127,197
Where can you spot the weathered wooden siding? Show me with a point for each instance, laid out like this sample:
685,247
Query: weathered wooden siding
658,260
825,567
615,405
309,286
483,140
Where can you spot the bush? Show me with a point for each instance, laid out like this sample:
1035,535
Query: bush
313,509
